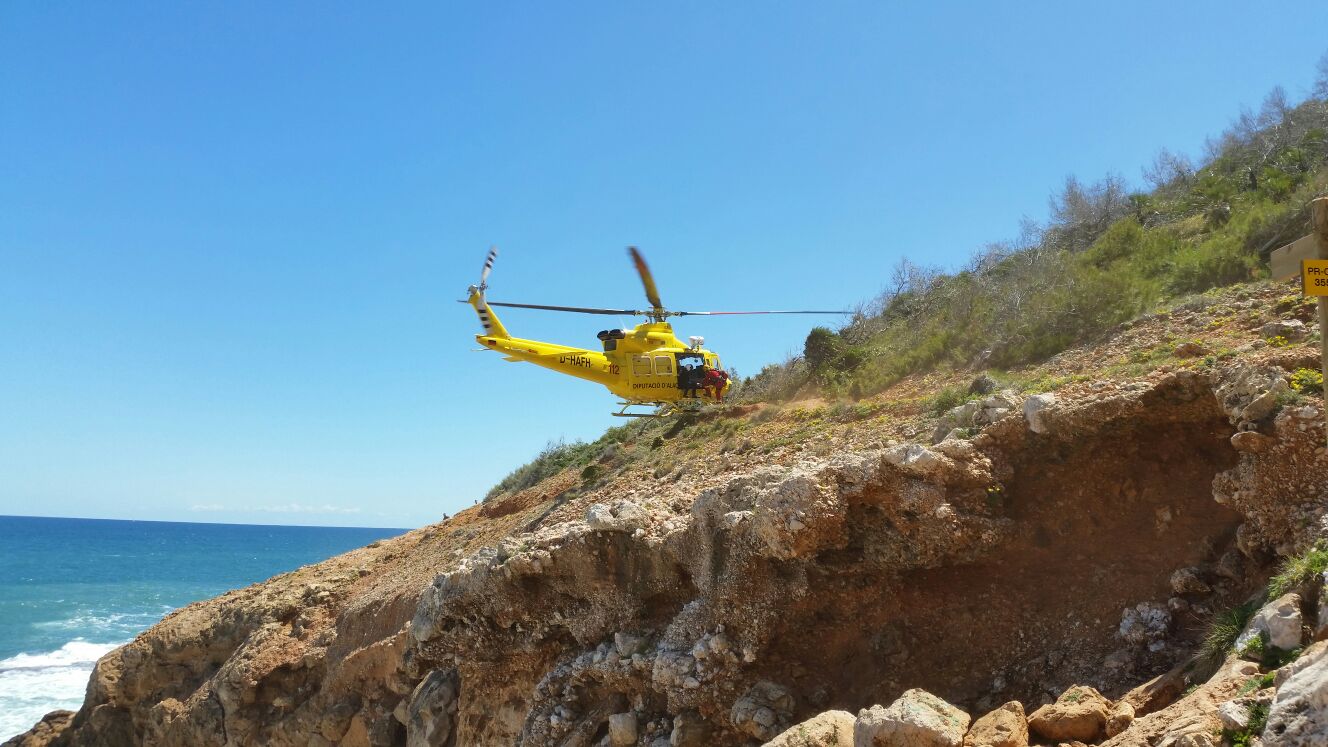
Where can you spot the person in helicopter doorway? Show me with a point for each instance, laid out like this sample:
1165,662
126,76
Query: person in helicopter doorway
692,377
714,380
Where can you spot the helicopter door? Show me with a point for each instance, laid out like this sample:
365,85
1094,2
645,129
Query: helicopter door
640,365
688,365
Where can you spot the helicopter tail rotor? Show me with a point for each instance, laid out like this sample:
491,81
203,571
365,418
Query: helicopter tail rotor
488,267
488,320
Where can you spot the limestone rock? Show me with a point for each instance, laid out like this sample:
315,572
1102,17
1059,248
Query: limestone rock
1290,329
916,719
1119,718
622,516
622,729
1035,408
1006,726
429,710
1188,581
1145,623
1080,713
1278,622
1299,713
1235,714
829,729
1249,393
763,711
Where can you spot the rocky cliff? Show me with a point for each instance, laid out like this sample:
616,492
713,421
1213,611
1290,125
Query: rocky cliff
779,570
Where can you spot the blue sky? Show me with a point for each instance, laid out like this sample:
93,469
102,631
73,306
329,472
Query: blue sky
232,234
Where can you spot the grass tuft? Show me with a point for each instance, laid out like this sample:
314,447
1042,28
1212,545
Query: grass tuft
1300,570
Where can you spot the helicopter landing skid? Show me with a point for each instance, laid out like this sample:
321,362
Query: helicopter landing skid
662,410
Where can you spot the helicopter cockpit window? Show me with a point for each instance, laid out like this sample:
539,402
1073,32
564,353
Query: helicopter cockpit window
663,365
641,365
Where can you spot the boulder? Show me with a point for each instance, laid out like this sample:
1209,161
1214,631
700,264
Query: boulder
622,516
1006,726
1249,393
763,711
1188,581
983,384
829,729
429,711
1035,408
1299,714
1119,718
1290,329
916,719
690,730
1080,713
622,729
1278,623
1144,624
1190,349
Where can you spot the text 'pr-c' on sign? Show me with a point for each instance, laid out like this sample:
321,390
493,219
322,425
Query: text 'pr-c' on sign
1314,276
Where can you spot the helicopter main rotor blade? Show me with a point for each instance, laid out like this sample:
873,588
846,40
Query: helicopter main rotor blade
573,309
648,280
732,313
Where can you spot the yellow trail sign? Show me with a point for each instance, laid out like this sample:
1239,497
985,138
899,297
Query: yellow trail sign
1314,276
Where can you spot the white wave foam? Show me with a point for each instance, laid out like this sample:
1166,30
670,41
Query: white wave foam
32,685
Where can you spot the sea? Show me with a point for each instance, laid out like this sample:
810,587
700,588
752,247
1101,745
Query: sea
73,589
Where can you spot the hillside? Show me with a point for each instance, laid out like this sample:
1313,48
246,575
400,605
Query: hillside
718,582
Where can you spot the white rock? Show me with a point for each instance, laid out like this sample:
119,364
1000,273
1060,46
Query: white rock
1299,714
914,458
622,516
1035,411
1145,623
916,719
1279,621
1235,714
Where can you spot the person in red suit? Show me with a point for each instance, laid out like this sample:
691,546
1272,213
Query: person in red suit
715,379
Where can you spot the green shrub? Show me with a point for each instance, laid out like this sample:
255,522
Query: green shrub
1307,381
947,399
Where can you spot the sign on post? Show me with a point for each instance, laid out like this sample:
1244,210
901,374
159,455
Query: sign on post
1285,262
1308,256
1314,276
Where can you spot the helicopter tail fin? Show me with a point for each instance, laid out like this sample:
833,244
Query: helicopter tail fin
488,320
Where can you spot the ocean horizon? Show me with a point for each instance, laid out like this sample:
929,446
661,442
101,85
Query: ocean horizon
72,590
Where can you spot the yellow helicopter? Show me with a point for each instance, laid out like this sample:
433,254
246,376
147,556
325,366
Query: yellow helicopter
645,366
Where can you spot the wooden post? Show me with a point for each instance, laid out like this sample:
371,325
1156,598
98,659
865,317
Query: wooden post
1319,213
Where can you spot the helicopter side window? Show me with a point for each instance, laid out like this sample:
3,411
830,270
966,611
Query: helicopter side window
663,365
641,365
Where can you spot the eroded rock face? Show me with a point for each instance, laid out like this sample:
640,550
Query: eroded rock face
916,566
